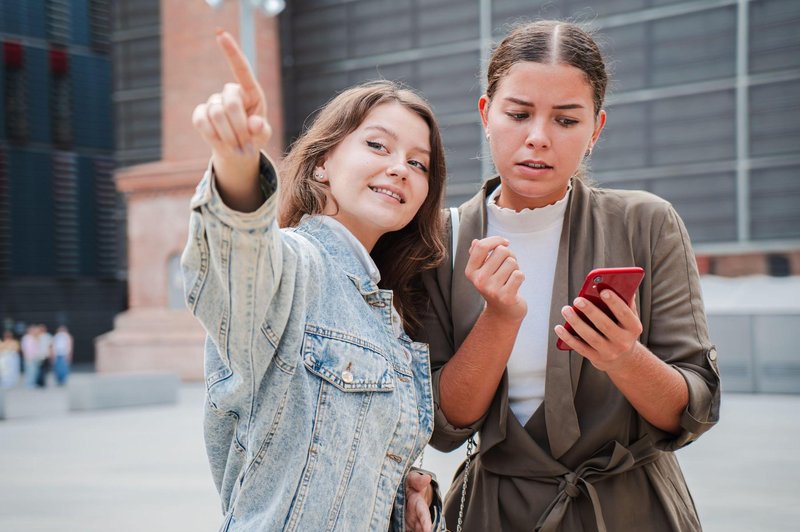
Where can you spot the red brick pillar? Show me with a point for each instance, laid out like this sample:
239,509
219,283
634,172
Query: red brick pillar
151,335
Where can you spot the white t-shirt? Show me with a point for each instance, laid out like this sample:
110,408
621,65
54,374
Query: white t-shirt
534,235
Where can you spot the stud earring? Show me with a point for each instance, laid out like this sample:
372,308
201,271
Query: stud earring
588,152
319,176
488,135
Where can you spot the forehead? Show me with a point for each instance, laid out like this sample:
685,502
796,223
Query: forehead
401,121
545,81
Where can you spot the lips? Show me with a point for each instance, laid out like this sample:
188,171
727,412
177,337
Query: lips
389,191
536,165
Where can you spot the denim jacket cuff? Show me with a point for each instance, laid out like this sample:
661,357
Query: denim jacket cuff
437,504
206,195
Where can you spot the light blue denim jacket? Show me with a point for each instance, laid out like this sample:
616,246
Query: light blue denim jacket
315,408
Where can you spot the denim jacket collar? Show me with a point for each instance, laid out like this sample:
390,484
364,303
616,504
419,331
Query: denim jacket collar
342,252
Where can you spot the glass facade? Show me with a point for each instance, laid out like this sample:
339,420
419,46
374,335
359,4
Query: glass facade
704,104
61,220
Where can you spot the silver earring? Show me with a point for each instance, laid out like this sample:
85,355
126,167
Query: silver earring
588,152
488,135
319,176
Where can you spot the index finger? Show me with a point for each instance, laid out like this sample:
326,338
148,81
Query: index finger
621,310
237,61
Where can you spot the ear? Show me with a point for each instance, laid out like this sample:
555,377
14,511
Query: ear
599,125
483,108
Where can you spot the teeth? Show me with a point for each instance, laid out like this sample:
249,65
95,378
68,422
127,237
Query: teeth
535,165
388,193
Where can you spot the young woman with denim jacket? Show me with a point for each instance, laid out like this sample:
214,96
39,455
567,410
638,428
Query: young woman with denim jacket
318,402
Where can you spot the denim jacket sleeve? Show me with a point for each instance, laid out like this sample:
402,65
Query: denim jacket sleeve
232,267
436,508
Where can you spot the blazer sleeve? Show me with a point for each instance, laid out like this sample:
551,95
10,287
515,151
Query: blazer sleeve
679,331
437,331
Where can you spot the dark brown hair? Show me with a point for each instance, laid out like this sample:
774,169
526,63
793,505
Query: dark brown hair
554,42
400,255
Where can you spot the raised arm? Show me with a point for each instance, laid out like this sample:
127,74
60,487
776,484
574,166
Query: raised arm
234,124
469,380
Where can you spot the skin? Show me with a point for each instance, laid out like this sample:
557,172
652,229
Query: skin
386,150
544,113
378,174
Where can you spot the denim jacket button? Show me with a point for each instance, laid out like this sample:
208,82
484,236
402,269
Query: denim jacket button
347,376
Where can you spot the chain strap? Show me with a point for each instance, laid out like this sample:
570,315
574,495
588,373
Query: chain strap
470,448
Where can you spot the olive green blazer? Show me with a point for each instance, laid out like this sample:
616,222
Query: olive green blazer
585,460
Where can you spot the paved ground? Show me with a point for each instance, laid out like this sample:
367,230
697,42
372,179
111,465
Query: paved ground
145,468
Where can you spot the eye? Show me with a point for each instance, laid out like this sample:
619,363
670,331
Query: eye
566,122
419,165
376,145
517,116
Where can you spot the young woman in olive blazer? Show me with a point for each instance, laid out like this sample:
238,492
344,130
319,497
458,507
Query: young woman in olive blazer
597,454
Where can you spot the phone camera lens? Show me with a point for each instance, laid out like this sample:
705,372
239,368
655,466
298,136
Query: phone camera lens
597,279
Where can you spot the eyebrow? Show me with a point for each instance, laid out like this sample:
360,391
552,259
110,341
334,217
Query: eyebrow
394,136
529,104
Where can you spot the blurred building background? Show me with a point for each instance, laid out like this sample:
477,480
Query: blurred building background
704,110
62,223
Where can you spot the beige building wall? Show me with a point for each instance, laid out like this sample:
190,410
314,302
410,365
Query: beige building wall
151,335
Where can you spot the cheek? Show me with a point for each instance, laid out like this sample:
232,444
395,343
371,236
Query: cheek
421,189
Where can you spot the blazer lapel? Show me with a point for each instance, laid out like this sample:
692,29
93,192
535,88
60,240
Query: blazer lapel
466,302
564,367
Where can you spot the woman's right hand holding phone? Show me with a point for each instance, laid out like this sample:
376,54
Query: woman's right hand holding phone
234,124
493,270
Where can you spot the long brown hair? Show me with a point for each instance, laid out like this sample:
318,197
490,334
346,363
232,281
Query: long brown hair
400,255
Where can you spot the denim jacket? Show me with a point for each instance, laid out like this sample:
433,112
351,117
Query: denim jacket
316,409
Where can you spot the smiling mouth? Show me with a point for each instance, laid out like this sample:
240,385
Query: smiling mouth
389,193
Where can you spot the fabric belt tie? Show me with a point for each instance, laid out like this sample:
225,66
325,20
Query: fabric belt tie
570,488
572,485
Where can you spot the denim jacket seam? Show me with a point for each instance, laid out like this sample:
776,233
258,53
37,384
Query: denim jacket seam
335,334
258,458
311,463
225,318
202,246
341,492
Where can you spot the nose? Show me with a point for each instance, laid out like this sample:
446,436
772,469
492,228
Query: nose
538,137
398,169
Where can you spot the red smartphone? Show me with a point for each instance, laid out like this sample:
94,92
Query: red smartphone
623,281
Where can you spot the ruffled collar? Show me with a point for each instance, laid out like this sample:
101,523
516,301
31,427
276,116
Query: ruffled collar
526,220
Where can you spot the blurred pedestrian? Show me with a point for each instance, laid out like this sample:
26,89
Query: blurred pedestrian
30,349
9,360
62,354
44,354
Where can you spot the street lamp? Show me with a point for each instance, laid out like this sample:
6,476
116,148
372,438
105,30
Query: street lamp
270,8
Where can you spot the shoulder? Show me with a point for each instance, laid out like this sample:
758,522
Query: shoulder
628,200
637,207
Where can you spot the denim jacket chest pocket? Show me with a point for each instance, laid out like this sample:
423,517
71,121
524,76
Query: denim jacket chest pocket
347,362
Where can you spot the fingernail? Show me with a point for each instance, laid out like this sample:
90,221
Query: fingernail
219,31
580,303
605,294
566,310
